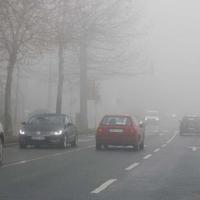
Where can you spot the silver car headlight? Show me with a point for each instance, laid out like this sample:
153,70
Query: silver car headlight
58,132
21,132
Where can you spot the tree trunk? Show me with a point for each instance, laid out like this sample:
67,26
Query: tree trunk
83,86
8,128
60,77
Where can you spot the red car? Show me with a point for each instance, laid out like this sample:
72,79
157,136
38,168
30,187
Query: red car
119,130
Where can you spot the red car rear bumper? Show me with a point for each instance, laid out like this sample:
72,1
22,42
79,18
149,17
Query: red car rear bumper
117,140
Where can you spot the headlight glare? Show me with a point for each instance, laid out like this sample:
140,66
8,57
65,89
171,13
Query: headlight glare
21,132
58,132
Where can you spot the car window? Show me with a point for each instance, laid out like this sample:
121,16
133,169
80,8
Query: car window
115,120
46,119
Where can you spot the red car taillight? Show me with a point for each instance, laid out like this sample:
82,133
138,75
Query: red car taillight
100,130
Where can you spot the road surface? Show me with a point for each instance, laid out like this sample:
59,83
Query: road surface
168,168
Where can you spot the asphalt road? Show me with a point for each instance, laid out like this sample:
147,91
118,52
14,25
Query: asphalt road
168,168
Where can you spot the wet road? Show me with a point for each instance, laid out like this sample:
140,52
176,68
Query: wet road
168,168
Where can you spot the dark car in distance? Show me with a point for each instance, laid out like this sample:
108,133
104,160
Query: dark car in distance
120,130
190,125
48,129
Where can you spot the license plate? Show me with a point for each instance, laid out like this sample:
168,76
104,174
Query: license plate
116,130
38,138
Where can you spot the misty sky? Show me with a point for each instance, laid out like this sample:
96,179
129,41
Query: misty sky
175,43
173,32
172,44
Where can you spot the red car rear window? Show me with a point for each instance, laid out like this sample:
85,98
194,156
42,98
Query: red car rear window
115,120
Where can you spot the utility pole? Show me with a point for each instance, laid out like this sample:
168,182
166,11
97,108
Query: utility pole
17,95
49,88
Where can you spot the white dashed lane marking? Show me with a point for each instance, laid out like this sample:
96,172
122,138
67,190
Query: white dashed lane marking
194,148
170,140
156,150
132,166
103,186
147,156
21,162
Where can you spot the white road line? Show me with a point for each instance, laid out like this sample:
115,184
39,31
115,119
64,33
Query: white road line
45,157
194,148
103,186
164,145
147,156
156,150
132,166
170,140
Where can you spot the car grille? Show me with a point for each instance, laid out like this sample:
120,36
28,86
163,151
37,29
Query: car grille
41,133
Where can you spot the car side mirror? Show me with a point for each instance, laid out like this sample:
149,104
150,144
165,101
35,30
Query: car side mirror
141,124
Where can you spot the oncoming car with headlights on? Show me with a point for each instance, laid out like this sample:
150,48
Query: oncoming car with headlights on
48,129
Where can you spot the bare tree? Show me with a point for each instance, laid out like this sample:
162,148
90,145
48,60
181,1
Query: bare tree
21,35
103,33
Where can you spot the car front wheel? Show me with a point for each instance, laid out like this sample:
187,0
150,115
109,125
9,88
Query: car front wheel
1,151
64,142
137,147
98,146
142,145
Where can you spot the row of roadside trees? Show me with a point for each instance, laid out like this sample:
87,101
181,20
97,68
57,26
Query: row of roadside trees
97,32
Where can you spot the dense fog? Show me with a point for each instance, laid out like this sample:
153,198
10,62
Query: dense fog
160,71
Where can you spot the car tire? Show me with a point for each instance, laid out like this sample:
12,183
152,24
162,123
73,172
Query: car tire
142,145
22,146
137,147
64,142
75,142
98,146
1,151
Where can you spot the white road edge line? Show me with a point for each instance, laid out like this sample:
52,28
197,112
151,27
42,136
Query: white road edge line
194,148
103,186
164,145
170,140
45,157
132,166
156,150
147,156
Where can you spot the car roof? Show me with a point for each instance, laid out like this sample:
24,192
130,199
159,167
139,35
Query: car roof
49,114
117,115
